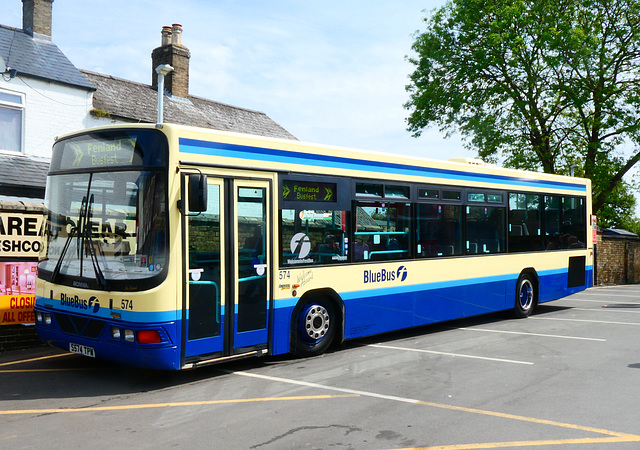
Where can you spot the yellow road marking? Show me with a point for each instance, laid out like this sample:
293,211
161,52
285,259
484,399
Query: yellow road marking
520,444
527,419
170,405
10,363
614,436
73,369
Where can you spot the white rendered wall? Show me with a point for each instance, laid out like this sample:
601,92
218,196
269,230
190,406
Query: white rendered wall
51,110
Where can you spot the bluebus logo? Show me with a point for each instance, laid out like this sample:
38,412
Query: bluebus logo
93,301
80,303
383,275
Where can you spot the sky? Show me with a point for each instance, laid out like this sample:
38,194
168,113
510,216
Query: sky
330,72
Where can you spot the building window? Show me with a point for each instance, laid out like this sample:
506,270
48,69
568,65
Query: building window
11,120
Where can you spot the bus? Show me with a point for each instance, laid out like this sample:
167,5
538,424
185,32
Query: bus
172,247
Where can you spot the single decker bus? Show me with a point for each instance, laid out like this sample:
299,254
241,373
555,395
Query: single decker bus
171,247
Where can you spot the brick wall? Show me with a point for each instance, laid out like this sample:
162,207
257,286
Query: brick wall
618,260
37,16
176,82
14,337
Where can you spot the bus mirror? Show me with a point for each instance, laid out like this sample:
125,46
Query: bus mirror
197,192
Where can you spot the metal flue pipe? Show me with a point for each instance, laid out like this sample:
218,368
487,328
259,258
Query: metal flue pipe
162,70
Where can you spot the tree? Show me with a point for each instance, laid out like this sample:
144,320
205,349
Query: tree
540,84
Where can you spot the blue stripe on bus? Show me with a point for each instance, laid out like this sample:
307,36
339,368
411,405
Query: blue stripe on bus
426,287
142,317
293,157
422,304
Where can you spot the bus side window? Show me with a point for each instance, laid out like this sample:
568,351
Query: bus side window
525,222
485,227
313,237
439,230
383,231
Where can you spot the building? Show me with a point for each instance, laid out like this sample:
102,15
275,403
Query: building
617,257
42,95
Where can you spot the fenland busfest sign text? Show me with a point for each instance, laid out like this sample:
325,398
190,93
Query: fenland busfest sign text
20,246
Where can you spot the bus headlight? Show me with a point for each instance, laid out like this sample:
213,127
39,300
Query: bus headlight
39,317
115,332
129,336
47,319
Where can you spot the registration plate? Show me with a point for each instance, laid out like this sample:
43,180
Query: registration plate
82,350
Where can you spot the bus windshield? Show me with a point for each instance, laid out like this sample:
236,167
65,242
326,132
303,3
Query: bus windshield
105,228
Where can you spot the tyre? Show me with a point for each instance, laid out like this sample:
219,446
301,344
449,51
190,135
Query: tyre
526,296
313,328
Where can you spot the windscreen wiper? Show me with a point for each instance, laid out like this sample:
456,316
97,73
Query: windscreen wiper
88,241
72,232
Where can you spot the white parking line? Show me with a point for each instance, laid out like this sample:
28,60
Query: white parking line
613,437
558,336
615,309
583,320
459,355
582,300
608,294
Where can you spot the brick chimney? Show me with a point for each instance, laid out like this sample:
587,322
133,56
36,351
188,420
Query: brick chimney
172,52
36,17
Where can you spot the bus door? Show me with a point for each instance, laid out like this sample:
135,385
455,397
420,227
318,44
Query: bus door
204,299
227,279
251,255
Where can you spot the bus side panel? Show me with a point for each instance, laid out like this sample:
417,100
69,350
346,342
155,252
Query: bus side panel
553,284
378,311
281,326
370,311
423,305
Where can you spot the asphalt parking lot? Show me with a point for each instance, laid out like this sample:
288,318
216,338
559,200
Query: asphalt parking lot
565,377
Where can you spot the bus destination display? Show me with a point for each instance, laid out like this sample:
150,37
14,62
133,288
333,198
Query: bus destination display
309,191
87,153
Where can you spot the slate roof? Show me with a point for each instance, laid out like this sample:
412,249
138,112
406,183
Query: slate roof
23,170
616,233
137,102
38,57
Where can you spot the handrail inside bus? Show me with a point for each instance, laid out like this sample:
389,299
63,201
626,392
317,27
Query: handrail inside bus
380,233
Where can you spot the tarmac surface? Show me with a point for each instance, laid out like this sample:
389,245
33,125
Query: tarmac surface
565,377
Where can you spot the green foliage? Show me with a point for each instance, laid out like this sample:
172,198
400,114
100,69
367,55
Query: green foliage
536,84
615,212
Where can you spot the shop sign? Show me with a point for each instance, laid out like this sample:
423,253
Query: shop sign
17,292
20,235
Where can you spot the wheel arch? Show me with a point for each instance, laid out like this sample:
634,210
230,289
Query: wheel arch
522,309
534,277
326,294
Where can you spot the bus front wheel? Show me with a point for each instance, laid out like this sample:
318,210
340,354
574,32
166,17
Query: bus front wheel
525,296
314,327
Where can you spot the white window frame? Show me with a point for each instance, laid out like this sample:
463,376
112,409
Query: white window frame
17,105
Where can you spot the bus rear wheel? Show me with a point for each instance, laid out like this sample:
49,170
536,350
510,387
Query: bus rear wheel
314,327
526,296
